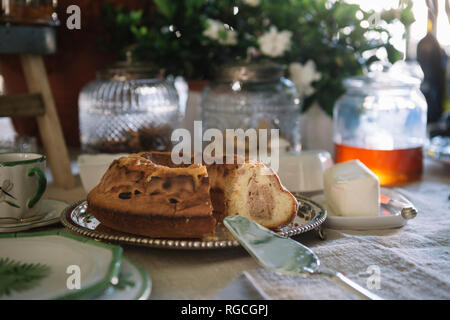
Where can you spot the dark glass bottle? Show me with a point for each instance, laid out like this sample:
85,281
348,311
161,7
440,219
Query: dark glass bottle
433,61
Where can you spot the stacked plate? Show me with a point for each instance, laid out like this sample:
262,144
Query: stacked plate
438,149
58,265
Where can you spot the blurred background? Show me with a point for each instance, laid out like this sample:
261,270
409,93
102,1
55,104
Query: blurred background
137,69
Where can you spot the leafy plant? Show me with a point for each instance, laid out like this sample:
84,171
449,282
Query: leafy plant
18,276
335,35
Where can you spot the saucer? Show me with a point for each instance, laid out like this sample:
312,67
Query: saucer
51,208
389,217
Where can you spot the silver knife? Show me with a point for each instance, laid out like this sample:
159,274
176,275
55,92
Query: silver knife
284,255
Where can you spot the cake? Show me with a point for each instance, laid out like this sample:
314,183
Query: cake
137,196
147,194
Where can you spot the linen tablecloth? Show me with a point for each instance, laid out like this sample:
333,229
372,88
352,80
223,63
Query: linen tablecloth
413,261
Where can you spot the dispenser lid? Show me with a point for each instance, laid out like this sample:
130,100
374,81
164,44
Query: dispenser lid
382,76
130,70
265,71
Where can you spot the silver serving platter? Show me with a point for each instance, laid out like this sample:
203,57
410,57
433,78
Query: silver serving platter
76,218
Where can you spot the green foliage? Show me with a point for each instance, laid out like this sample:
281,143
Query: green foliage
18,276
403,14
329,33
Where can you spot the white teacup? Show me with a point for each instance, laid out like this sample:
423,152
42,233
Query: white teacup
22,184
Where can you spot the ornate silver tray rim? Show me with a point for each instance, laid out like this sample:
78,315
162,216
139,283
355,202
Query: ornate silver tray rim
289,231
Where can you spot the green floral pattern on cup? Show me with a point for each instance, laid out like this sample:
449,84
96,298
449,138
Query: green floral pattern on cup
5,189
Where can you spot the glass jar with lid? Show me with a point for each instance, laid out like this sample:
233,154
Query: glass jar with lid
253,95
381,120
130,107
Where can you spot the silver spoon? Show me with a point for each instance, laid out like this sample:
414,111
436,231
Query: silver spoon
22,220
284,255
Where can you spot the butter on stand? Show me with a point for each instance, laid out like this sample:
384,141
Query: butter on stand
352,190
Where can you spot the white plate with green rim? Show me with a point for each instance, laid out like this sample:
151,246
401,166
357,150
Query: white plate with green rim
50,214
50,265
134,283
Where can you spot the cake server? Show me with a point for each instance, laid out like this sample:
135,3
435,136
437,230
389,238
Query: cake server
284,255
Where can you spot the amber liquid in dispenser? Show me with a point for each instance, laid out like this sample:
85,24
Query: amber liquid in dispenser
392,167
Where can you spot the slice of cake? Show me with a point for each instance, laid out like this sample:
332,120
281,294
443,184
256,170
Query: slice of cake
147,194
252,190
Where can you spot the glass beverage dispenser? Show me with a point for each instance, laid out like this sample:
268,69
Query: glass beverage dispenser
381,120
253,95
130,107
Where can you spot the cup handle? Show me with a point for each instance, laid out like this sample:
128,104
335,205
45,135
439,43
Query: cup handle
42,185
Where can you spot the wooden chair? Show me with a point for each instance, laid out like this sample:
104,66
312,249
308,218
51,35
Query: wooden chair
39,101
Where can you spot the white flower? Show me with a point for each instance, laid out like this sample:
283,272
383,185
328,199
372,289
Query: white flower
274,43
252,3
212,31
303,76
216,29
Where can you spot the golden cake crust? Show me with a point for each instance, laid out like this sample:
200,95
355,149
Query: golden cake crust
147,194
138,196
